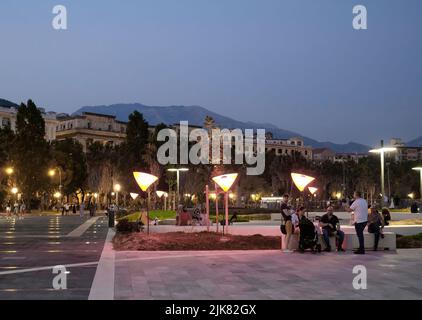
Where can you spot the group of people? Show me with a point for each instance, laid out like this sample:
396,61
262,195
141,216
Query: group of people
66,208
328,225
17,209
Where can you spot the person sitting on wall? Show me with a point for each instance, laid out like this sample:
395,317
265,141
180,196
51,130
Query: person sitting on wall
331,227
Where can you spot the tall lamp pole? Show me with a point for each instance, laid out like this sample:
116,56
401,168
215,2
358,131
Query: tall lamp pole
52,173
382,151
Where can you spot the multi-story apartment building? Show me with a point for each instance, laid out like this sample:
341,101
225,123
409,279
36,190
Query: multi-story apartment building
91,127
288,147
405,153
8,118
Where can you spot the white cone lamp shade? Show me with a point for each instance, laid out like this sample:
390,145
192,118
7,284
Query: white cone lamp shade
301,181
161,194
144,180
134,195
226,181
312,190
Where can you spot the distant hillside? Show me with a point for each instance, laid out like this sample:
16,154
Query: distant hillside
7,104
196,115
415,142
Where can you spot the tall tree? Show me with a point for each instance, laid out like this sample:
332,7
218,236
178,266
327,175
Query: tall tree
68,155
30,151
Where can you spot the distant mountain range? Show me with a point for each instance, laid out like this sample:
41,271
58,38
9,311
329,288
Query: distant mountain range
196,115
7,104
415,142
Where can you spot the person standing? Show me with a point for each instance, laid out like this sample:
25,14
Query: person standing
286,216
331,227
81,209
359,208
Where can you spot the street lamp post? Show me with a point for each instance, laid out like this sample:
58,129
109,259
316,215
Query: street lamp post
145,180
52,173
178,180
382,151
117,187
420,172
225,182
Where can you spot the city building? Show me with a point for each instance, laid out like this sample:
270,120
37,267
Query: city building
404,152
91,127
288,147
8,118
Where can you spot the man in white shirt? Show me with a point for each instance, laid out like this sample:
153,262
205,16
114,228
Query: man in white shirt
359,208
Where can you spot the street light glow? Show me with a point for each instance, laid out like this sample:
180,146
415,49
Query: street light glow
225,181
134,195
144,180
180,169
160,194
9,171
312,190
52,172
383,149
301,180
57,195
117,187
15,190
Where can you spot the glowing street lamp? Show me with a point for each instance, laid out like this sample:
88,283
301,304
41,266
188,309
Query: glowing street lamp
420,170
52,173
134,196
411,195
57,195
15,190
117,188
382,151
301,181
144,181
9,171
225,182
313,190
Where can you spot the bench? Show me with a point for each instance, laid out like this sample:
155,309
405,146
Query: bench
350,242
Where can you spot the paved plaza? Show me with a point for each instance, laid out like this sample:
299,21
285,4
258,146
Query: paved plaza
266,275
29,249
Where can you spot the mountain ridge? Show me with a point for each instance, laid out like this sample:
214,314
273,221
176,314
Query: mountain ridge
196,115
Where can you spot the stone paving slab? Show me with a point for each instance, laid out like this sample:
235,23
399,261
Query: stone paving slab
265,275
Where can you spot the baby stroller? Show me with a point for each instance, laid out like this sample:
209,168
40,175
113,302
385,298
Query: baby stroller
308,236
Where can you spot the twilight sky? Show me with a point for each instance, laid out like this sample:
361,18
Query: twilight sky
298,64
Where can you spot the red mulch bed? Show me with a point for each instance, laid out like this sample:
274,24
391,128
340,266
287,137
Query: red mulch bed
174,241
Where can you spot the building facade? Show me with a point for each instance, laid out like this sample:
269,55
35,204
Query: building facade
91,127
8,118
288,147
405,153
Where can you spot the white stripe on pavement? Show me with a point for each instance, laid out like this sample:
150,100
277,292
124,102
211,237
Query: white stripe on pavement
103,285
82,228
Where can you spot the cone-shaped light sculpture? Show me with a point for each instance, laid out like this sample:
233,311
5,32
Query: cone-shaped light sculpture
144,180
301,181
134,195
312,190
225,181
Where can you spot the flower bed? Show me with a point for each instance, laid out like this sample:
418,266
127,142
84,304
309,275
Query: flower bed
175,241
